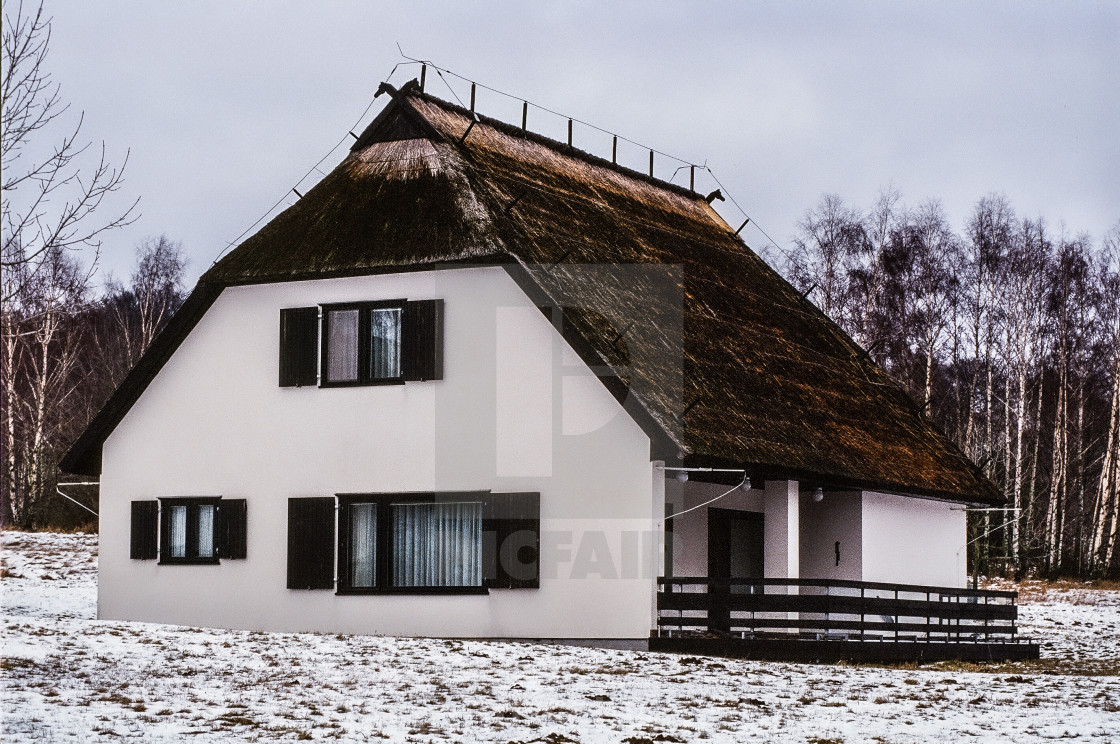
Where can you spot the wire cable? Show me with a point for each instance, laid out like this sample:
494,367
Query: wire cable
312,169
710,501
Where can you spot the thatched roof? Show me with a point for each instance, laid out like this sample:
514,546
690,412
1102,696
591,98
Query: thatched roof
719,358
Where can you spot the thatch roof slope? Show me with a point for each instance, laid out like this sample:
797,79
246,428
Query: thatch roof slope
721,358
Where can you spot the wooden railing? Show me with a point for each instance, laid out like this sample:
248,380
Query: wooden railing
824,609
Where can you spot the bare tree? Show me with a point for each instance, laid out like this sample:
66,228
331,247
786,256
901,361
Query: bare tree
1024,282
988,232
51,192
1106,511
1067,297
830,238
155,289
867,272
42,350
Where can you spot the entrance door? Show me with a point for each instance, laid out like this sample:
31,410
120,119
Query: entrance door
735,550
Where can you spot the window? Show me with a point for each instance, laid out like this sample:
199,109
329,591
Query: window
362,343
415,543
188,530
410,543
436,545
361,564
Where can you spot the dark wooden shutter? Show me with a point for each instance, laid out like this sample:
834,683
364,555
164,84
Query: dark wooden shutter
299,342
511,526
230,528
422,340
145,528
311,543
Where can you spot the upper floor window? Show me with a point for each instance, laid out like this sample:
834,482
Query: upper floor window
362,343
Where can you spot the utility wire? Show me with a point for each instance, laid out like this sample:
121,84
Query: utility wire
709,501
310,170
440,70
744,213
685,162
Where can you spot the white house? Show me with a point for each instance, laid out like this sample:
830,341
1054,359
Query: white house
456,391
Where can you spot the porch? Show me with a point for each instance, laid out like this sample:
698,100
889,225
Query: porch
835,619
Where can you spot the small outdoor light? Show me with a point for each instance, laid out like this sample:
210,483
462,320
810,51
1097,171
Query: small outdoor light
746,484
682,476
818,495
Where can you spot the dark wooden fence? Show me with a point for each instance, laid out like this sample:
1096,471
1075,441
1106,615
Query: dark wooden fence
820,609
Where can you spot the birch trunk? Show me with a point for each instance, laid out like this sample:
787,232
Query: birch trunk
1079,450
1032,489
1012,535
12,481
1020,425
1058,476
1103,544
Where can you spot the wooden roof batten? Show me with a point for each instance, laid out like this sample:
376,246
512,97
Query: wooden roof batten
429,184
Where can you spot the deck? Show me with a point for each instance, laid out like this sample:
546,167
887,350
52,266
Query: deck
832,620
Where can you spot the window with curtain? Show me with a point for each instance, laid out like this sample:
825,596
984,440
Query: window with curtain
362,343
436,545
177,546
363,546
189,530
385,343
342,345
390,543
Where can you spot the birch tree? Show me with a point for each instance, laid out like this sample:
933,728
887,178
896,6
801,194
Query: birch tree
828,242
1106,511
139,310
42,352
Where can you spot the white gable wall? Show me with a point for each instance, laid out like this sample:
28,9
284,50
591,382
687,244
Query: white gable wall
516,411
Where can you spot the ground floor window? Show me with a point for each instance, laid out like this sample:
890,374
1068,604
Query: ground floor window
389,543
188,530
436,545
462,542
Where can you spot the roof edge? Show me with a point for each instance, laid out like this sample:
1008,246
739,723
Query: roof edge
412,89
770,471
84,455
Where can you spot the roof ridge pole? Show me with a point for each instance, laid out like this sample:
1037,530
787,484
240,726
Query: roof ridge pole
472,98
614,151
569,132
524,116
651,163
423,76
692,178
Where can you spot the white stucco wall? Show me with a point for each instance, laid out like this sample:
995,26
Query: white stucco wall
835,518
913,541
883,537
516,411
777,501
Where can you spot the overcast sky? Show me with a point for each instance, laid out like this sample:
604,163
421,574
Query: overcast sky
225,105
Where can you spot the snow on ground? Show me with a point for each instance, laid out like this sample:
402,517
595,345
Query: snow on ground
1071,621
69,677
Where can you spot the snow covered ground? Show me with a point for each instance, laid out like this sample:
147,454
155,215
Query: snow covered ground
69,677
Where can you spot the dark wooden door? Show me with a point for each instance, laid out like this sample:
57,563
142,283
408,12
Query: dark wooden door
735,551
